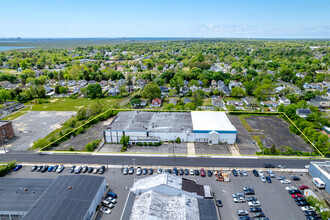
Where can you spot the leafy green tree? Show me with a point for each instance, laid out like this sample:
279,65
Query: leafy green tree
263,91
151,91
94,91
237,92
189,106
4,95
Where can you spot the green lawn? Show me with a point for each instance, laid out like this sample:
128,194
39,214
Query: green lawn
14,115
231,98
68,104
207,102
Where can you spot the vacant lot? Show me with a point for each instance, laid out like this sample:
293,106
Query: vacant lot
276,132
35,125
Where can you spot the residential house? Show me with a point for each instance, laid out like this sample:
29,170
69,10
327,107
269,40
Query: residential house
298,74
306,86
103,83
285,101
52,82
71,82
207,90
213,83
184,90
140,83
326,130
235,102
157,102
48,88
62,83
112,82
248,101
186,100
82,83
193,88
216,67
134,69
163,89
269,103
144,67
320,102
143,103
233,84
121,82
38,73
91,82
279,89
185,83
173,101
217,102
113,91
120,68
303,112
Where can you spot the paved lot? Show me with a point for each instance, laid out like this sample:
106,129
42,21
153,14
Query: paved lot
205,148
275,200
244,141
277,132
35,125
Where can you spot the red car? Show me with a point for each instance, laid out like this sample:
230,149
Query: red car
302,187
203,174
296,195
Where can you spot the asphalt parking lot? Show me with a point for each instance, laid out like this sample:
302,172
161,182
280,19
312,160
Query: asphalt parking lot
35,125
275,201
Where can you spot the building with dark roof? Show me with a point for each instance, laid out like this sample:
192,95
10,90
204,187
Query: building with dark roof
303,112
67,197
6,131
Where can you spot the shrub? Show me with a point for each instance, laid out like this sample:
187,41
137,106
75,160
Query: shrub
40,143
71,149
178,140
91,146
140,144
4,169
145,144
150,144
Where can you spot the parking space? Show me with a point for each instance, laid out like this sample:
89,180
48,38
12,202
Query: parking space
275,201
205,148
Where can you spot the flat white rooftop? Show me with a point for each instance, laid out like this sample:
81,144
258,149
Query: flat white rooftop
211,121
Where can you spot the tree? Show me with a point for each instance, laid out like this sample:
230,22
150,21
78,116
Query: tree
94,91
237,92
249,87
262,91
124,141
4,94
135,102
122,90
189,106
151,91
197,99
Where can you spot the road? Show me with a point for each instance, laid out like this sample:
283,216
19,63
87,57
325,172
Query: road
155,161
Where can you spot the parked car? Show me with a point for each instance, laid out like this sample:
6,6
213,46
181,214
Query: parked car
269,165
314,217
239,199
281,177
247,188
105,210
209,173
60,169
44,169
302,203
144,171
191,172
270,173
299,199
255,172
219,203
240,172
131,170
302,187
262,218
244,173
112,200
72,169
77,169
297,191
186,172
238,195
84,169
50,169
102,170
263,179
281,166
288,188
254,204
285,181
255,209
138,171
249,192
175,171
107,203
307,208
159,170
125,170
203,174
268,179
181,172
168,171
39,168
309,213
258,214
242,212
112,195
235,173
34,168
55,168
150,171
244,218
17,167
196,172
96,170
296,195
90,169
249,199
295,178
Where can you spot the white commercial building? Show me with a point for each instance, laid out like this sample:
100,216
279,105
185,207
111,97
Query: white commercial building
196,126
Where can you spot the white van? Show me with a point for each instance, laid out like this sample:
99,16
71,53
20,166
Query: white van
319,183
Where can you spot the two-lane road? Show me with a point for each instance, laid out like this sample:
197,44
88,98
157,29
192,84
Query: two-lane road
156,161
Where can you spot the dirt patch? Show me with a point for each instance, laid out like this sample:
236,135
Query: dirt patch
53,100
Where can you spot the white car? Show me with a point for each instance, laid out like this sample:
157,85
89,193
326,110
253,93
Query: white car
285,181
281,166
247,188
260,173
239,199
307,166
307,208
263,179
112,200
191,172
138,171
105,210
254,204
242,212
60,169
238,195
290,188
159,170
270,173
245,173
107,204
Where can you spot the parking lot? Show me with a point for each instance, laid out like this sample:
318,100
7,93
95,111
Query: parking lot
275,201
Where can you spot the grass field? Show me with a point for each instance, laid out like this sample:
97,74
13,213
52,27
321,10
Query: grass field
231,98
14,115
207,102
68,104
244,122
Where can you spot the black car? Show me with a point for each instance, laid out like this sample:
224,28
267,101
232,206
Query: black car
249,199
302,203
299,199
219,203
255,172
296,191
39,168
313,217
269,165
55,168
196,172
150,172
102,170
244,218
295,178
84,169
268,179
249,192
144,171
258,214
181,172
175,171
186,172
72,169
309,213
34,168
255,209
168,171
209,173
235,173
44,169
90,169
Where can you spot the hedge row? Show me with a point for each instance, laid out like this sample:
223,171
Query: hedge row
4,169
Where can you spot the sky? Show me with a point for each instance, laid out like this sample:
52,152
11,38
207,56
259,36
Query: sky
165,18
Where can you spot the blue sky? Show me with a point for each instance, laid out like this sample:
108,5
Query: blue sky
165,18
